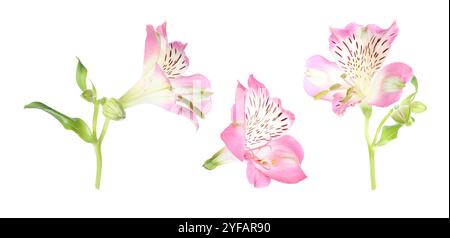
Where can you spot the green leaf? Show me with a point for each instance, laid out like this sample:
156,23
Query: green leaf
74,124
93,88
415,83
418,107
388,134
81,75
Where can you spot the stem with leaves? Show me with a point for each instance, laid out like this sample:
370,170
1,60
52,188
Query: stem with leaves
401,114
112,110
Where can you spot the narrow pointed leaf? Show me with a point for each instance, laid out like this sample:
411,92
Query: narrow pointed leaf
81,75
415,83
74,124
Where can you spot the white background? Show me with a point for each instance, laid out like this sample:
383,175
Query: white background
152,160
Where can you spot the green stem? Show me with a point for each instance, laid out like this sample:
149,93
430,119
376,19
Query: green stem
380,126
105,128
371,144
373,182
371,149
98,154
94,120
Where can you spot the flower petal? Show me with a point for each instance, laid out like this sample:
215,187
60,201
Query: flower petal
152,47
153,88
162,30
195,90
281,161
360,51
238,109
255,177
340,103
387,85
183,111
196,82
338,34
389,34
162,33
265,118
234,139
255,84
174,61
323,78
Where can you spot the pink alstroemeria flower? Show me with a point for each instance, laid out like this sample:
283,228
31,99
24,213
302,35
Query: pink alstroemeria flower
357,75
256,135
162,82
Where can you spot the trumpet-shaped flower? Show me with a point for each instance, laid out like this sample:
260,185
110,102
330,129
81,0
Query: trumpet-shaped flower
257,136
162,82
357,75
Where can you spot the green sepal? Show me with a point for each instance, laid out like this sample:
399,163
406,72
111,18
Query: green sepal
367,110
216,160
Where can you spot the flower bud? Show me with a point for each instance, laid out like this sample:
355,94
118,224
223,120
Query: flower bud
113,109
418,107
402,114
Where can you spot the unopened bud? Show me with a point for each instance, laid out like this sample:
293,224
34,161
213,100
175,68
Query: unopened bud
418,107
113,109
402,114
